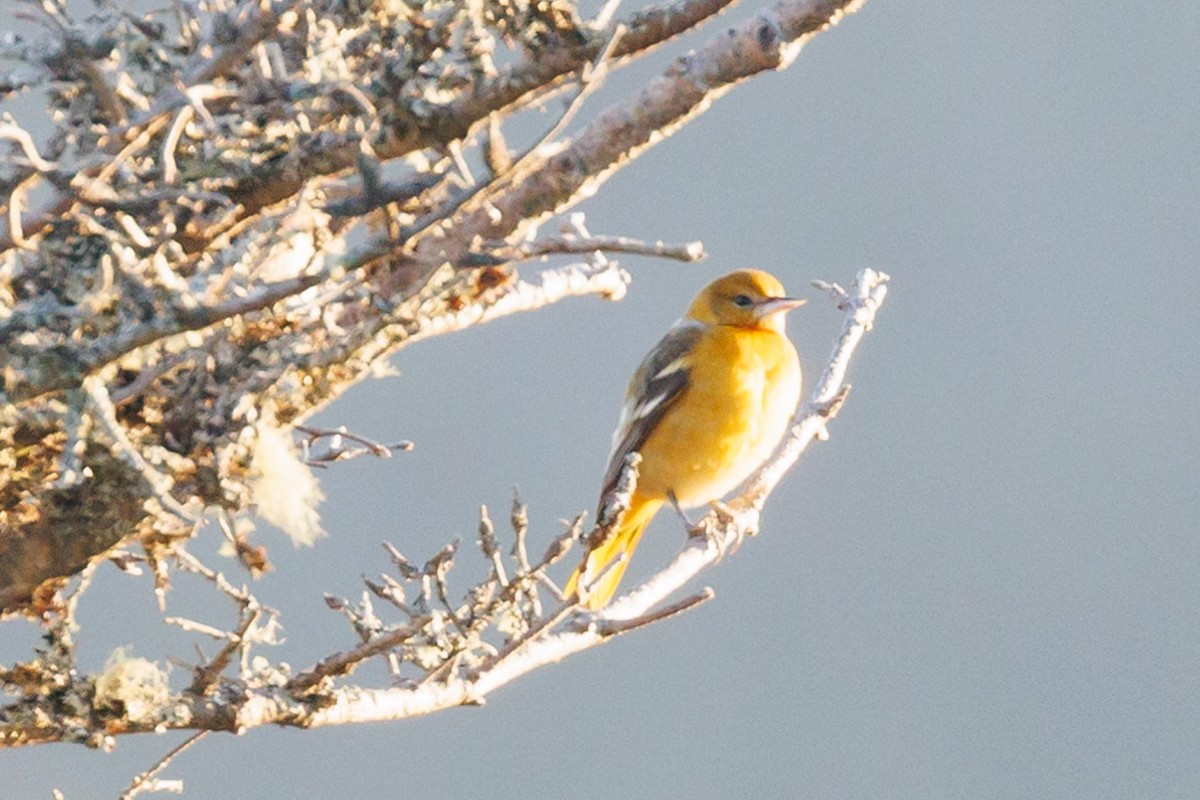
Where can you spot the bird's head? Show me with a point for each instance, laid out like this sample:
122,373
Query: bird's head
748,298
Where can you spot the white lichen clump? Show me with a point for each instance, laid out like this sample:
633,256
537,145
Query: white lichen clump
283,487
135,687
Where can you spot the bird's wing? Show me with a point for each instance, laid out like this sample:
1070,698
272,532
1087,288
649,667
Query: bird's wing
654,387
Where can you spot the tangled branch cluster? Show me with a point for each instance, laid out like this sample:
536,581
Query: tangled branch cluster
241,210
436,640
440,637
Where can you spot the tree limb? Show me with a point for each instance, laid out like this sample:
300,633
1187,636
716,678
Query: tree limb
265,695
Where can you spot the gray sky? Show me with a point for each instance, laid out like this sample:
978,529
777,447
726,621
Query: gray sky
984,586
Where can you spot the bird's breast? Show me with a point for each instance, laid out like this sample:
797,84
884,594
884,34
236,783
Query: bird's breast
742,390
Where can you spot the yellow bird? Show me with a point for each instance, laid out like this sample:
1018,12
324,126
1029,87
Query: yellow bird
706,407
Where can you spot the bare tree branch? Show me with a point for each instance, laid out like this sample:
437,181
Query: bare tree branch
526,80
445,641
770,41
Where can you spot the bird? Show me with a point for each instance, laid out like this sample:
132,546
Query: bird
706,407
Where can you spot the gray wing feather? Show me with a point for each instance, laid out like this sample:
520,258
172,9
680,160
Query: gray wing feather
654,387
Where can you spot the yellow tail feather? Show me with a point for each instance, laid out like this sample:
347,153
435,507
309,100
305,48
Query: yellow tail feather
622,541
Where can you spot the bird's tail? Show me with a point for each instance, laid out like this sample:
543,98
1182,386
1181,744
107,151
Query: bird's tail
602,575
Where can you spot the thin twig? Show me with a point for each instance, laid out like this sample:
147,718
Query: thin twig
144,781
170,174
15,232
190,563
338,453
617,627
342,663
591,78
554,284
382,193
207,674
105,414
519,520
577,240
22,137
110,101
192,626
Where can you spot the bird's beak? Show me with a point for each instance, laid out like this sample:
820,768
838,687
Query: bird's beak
779,305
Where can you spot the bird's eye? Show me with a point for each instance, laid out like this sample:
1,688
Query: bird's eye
743,301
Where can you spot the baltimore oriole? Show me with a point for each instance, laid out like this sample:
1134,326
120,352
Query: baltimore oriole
705,408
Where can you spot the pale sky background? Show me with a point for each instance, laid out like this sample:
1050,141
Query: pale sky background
984,586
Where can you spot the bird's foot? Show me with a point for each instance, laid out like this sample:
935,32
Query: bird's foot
674,501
